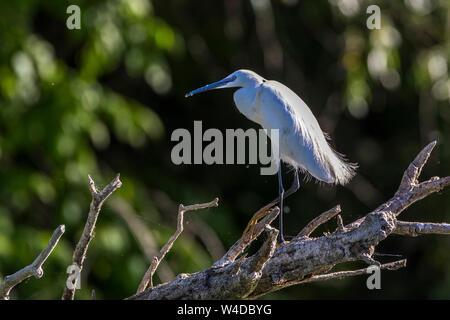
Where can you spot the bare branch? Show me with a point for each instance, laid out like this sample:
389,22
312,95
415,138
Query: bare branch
245,240
34,269
306,259
414,229
345,274
237,279
340,223
148,277
321,219
410,190
411,176
98,198
266,251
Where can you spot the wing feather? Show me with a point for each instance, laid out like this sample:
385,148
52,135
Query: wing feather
302,142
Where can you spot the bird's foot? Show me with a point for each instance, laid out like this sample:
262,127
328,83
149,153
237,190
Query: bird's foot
250,229
282,243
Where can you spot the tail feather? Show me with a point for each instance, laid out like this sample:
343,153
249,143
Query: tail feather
342,170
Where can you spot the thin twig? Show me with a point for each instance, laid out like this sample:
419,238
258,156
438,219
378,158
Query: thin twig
344,274
148,277
319,220
98,198
34,269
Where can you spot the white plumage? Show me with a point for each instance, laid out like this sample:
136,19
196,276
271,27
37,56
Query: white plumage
301,143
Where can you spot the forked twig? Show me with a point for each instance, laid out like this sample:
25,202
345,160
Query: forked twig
148,277
79,255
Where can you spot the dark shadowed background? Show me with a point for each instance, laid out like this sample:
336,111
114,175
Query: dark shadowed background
106,98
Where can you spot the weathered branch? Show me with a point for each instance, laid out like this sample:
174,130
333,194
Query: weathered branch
411,175
319,220
415,229
345,274
307,259
245,240
148,277
34,269
236,279
79,255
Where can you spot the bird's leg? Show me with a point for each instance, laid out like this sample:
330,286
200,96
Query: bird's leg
295,185
261,213
281,197
292,189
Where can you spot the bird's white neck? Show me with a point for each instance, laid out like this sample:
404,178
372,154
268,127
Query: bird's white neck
246,102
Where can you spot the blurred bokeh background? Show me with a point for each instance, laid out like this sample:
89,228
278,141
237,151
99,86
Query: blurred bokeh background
106,98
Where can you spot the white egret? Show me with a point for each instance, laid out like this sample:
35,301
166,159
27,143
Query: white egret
302,144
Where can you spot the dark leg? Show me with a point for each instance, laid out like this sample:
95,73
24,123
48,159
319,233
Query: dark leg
292,189
261,213
281,197
295,185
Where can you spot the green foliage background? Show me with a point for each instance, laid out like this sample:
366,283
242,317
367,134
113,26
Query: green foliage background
106,98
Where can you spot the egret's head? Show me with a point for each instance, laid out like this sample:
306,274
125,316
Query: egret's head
240,78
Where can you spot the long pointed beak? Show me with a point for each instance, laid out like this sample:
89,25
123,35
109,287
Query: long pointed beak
215,85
